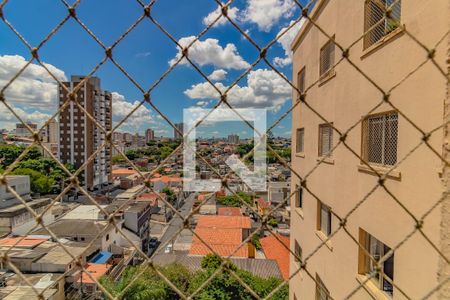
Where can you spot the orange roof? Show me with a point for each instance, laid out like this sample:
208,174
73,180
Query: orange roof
150,196
221,193
218,236
273,249
238,222
123,172
95,270
27,242
229,211
166,179
263,203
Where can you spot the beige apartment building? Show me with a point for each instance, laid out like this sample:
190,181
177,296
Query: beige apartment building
343,96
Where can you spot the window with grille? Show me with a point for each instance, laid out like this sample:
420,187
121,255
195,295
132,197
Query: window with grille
298,196
375,251
297,251
300,137
322,292
325,139
327,58
376,25
301,80
324,219
380,135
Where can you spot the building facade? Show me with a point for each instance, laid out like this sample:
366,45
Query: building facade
178,131
80,137
381,137
233,139
149,135
22,130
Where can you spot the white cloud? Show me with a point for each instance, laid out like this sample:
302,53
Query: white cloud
34,87
202,103
266,13
141,118
232,13
143,54
8,120
286,41
265,89
217,75
209,52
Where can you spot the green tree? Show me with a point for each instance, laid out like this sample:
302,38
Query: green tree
131,154
232,200
171,197
117,159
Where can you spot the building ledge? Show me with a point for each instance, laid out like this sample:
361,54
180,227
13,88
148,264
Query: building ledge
327,77
326,159
393,174
371,288
324,238
384,41
299,212
300,154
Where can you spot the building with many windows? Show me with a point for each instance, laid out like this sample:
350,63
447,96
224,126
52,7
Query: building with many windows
80,137
345,181
178,131
149,135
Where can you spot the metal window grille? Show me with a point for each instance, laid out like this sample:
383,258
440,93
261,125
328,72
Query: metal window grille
376,24
300,140
327,58
380,137
325,139
301,80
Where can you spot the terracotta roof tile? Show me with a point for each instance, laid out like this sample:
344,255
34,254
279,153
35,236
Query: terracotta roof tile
273,249
229,211
241,222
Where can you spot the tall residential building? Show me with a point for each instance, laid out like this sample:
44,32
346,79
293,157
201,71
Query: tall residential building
178,135
233,139
381,136
79,135
149,135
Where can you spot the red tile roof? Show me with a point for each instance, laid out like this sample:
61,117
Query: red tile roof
273,249
238,222
27,242
95,270
166,179
224,242
229,211
123,171
263,203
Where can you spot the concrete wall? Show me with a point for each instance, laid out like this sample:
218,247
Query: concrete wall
340,183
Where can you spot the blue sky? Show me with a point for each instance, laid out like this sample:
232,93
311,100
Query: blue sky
146,53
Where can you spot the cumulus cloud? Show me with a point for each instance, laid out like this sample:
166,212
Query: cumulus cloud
34,87
121,108
218,75
232,13
209,52
265,89
8,120
266,13
202,103
286,41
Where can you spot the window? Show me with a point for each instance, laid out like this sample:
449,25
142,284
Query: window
324,219
298,252
298,196
325,139
327,58
107,237
301,80
322,292
367,264
380,134
376,25
300,137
